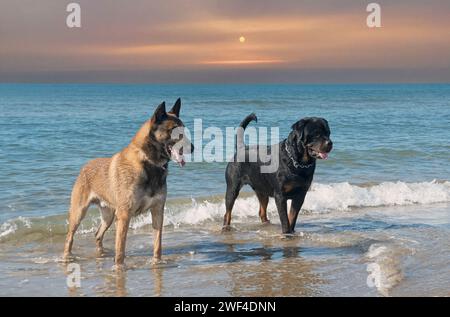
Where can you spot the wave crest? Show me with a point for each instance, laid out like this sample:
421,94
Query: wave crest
322,198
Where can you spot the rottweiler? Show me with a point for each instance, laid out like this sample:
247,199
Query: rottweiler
308,141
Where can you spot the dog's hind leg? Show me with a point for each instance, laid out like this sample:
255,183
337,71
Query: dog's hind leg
79,205
230,197
107,220
263,202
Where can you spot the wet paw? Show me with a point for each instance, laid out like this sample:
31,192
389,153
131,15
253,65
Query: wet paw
227,228
67,258
100,252
156,262
288,236
119,267
159,264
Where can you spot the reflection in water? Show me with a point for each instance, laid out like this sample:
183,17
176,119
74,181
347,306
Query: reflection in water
158,280
274,273
290,279
259,269
150,278
114,279
120,279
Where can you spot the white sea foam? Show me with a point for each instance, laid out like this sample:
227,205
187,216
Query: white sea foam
7,228
344,196
11,226
322,198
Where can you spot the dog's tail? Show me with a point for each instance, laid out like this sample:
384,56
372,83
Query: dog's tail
240,132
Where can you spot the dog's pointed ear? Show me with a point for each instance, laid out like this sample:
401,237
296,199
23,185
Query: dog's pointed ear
176,108
160,112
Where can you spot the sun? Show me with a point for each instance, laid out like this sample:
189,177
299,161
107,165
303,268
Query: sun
242,39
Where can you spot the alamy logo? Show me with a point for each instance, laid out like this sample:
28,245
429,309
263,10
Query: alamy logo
374,18
74,275
374,279
215,145
73,20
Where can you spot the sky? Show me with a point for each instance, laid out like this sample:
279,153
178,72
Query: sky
199,41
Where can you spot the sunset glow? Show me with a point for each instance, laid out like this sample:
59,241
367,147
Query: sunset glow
166,36
244,62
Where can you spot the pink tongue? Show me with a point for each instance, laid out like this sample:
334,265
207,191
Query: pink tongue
178,158
323,156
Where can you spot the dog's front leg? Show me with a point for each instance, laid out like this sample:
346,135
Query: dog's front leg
157,224
123,221
281,203
296,205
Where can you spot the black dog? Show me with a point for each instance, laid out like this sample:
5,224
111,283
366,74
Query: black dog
309,140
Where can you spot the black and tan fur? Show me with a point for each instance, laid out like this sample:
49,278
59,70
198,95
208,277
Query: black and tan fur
309,140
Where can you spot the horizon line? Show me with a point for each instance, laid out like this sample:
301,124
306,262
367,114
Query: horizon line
226,83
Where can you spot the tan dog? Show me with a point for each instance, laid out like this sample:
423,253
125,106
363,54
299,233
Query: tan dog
130,182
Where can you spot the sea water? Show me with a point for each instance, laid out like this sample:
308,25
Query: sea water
375,222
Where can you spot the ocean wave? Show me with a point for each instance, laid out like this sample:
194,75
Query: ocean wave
345,196
322,198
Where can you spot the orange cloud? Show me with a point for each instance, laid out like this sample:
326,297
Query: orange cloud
208,39
244,62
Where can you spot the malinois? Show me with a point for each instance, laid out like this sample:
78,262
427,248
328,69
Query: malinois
130,182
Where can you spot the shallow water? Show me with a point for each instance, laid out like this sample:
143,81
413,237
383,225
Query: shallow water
375,223
401,251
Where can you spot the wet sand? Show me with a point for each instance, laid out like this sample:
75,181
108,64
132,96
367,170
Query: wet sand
386,251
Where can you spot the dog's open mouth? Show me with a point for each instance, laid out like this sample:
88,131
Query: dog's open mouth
176,154
318,154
